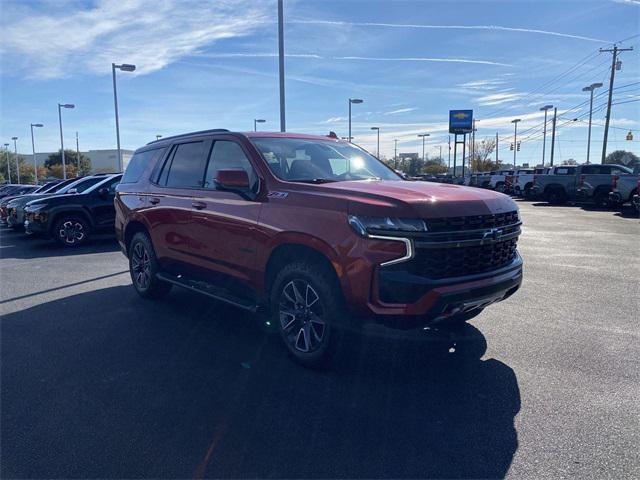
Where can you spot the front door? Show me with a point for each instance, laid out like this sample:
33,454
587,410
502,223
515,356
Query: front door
224,223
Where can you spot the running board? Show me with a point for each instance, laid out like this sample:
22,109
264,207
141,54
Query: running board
209,290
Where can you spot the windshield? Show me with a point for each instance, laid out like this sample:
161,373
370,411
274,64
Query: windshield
318,161
81,185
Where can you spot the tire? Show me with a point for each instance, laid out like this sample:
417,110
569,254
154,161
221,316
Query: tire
601,200
71,231
143,267
557,196
308,309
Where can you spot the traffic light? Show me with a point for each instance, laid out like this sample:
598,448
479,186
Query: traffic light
518,146
511,147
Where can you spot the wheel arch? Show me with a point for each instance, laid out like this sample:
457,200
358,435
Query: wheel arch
56,214
133,227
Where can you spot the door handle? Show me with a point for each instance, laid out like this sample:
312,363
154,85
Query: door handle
199,205
154,200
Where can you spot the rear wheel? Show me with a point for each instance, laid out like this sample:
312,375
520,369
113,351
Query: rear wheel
143,267
601,199
556,196
308,310
71,231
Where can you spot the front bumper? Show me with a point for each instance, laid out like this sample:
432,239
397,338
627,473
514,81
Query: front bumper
34,227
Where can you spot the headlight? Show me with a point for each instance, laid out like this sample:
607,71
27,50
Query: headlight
365,225
35,208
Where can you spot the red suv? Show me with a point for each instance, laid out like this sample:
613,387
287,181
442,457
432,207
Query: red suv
315,231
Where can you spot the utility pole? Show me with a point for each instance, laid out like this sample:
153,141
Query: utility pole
281,63
515,139
449,152
15,150
497,161
553,134
473,144
6,148
615,52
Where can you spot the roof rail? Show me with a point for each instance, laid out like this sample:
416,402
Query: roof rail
201,132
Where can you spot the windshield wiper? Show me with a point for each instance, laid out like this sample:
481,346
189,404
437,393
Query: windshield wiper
313,180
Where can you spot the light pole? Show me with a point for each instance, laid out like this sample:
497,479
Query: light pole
395,153
377,129
15,153
256,121
515,139
352,100
281,63
77,155
125,67
33,149
158,137
6,152
60,107
590,89
544,130
423,135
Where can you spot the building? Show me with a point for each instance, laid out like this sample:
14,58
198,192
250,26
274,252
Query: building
101,160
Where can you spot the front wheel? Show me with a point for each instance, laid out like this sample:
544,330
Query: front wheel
601,199
308,310
71,231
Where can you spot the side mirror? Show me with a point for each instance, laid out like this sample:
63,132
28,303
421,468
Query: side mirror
103,192
234,180
72,191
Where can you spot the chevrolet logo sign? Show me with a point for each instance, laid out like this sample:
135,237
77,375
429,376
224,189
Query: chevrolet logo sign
460,115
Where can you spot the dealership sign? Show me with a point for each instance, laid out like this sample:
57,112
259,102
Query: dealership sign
460,121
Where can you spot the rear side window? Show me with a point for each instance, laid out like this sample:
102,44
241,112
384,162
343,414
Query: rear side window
138,163
185,169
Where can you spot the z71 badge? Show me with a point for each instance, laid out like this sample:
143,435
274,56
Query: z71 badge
277,195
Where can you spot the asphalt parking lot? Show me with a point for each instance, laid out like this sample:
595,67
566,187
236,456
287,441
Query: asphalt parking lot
97,382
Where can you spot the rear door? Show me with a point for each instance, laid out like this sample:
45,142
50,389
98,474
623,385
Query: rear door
170,199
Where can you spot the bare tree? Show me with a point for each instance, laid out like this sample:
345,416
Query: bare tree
479,157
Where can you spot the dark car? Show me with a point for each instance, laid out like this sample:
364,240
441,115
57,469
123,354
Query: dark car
15,194
314,231
71,218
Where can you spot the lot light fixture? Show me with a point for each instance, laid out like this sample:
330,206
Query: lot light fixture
590,89
33,148
256,121
352,100
423,135
125,67
64,165
377,129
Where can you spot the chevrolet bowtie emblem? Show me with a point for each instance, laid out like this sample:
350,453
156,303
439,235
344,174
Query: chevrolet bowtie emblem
460,115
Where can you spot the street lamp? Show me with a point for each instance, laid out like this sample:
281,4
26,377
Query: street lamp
33,148
158,137
423,135
590,89
6,151
125,67
352,100
377,129
515,139
256,121
395,153
544,134
15,152
60,107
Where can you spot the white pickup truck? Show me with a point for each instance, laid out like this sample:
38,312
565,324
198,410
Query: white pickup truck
523,180
497,180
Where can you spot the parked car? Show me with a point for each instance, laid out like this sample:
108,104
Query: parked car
511,181
13,190
71,219
16,194
623,189
594,182
314,231
15,208
497,180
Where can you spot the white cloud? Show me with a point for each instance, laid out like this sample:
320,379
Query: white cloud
425,59
400,110
451,27
335,119
61,41
499,98
490,84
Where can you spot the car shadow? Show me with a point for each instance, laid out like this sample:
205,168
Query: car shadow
106,384
17,244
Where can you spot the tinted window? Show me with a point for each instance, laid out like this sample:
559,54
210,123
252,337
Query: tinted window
186,168
228,155
82,185
138,163
60,186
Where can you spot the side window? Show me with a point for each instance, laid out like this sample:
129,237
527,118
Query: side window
186,167
138,163
228,155
112,184
618,171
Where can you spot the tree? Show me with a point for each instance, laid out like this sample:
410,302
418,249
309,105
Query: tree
571,161
479,156
622,157
435,166
70,160
12,166
412,167
57,172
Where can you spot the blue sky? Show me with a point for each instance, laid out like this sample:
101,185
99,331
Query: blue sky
207,64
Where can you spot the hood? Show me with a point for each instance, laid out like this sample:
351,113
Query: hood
55,198
24,199
419,199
